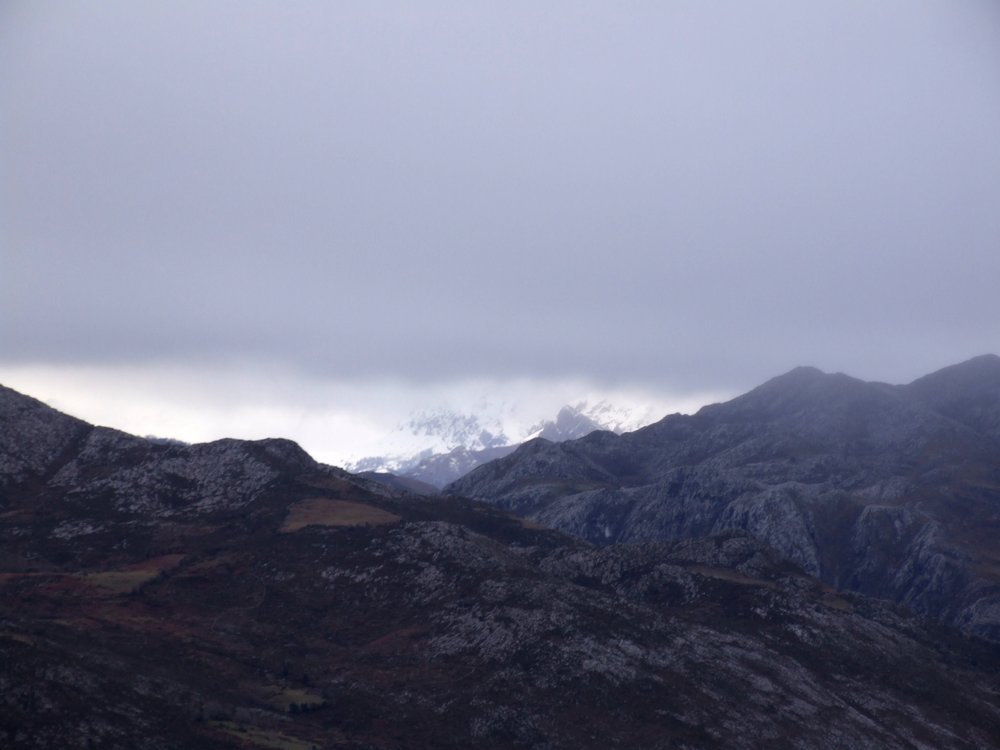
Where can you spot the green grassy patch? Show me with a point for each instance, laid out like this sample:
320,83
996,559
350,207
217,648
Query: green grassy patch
19,637
119,581
836,602
324,512
128,579
262,737
723,574
293,699
525,523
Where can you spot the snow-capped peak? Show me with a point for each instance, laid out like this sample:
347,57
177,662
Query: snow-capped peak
618,418
436,432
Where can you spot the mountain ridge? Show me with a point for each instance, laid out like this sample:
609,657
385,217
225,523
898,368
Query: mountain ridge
463,443
817,465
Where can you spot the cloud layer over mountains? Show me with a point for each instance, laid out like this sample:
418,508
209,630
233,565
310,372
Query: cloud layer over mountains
673,196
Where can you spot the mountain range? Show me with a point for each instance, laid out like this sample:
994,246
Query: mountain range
891,491
238,594
438,447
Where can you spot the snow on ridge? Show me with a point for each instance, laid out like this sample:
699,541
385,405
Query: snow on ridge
442,431
617,417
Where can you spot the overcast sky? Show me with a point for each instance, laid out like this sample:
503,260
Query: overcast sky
304,208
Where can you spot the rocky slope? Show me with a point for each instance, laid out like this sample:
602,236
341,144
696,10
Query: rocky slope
892,491
239,595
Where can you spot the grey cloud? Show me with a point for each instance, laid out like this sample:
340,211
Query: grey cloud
699,194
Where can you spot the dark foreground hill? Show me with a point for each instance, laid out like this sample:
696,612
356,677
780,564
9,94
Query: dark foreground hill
239,595
892,491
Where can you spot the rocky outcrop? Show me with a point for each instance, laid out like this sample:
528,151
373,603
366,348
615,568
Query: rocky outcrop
34,439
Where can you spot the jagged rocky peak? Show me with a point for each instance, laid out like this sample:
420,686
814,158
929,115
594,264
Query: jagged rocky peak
454,429
570,423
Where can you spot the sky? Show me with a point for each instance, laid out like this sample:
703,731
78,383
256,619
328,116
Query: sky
311,219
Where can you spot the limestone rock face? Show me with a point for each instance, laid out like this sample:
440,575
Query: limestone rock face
892,491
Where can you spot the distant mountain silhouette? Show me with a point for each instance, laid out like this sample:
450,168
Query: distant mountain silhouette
479,446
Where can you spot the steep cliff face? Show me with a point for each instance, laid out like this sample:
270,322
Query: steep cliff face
237,594
887,490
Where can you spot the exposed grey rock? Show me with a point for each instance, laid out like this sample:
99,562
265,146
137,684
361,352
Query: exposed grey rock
33,437
66,460
887,490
